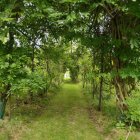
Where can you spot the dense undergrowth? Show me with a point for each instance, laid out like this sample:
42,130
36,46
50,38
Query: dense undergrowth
109,121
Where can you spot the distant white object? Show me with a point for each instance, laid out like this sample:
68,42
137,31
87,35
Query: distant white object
67,75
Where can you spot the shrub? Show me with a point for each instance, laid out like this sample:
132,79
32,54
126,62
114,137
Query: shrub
34,82
132,115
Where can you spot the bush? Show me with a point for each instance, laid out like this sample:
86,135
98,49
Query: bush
132,115
34,82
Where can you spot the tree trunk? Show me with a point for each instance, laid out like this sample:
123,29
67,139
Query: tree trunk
33,57
101,83
119,83
121,93
2,108
93,80
100,95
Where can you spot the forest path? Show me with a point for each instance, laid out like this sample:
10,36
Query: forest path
66,118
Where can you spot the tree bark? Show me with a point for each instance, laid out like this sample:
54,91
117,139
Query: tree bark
101,83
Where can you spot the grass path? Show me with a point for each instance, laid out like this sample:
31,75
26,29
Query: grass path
68,115
66,118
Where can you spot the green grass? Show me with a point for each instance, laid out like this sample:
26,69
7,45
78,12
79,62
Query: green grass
67,116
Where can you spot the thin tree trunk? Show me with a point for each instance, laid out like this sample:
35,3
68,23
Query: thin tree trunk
101,83
10,107
93,67
100,95
33,57
2,108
